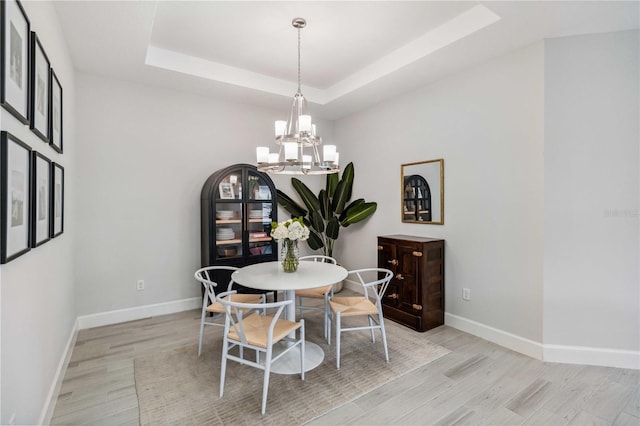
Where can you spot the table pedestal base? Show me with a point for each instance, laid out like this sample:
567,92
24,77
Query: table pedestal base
290,362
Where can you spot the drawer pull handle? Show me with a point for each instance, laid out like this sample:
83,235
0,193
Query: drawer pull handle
417,307
380,248
400,277
394,262
417,253
393,296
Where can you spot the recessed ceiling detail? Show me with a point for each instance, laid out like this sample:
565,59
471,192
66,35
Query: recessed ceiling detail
462,25
355,54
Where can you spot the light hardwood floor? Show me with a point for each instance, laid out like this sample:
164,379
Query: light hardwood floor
477,383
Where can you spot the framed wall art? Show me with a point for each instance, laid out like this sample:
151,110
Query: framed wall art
40,199
55,131
15,199
57,199
40,92
14,59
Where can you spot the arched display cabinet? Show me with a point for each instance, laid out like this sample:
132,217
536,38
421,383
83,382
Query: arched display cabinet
417,199
238,204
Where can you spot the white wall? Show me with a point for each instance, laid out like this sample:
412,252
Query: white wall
487,124
591,253
37,294
144,155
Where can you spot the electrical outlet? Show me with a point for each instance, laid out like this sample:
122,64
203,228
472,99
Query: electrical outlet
140,285
466,294
12,420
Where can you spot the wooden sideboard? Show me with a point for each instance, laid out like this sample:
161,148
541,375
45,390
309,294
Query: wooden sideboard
415,296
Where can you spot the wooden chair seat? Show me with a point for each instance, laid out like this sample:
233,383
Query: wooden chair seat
352,306
256,329
316,293
217,307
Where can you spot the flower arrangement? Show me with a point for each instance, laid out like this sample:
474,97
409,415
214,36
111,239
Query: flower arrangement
290,232
292,229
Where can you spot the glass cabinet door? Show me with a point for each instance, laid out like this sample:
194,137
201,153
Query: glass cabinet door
229,216
259,215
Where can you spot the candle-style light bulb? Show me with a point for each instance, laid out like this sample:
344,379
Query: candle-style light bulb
280,126
290,151
262,154
329,153
304,122
306,162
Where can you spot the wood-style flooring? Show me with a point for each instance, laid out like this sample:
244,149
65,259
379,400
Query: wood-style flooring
477,383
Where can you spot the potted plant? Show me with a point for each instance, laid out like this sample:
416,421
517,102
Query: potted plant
327,212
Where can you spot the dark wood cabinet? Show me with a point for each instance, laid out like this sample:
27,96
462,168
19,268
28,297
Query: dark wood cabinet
238,204
415,296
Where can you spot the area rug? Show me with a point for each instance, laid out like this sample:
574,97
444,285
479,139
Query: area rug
176,387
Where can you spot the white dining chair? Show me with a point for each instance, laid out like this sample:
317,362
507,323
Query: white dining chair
213,311
324,292
374,283
259,332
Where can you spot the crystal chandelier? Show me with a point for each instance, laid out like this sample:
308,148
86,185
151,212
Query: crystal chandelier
298,152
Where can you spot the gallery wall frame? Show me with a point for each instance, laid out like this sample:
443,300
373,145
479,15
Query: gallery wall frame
41,212
57,199
15,197
40,90
15,30
55,121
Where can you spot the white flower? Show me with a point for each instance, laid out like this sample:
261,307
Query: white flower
292,229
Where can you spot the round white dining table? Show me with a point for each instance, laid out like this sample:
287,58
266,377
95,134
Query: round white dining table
270,276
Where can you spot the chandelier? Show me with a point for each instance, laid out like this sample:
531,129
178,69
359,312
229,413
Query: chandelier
299,145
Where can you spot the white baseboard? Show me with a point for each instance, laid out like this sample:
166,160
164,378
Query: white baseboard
502,338
592,356
139,312
54,390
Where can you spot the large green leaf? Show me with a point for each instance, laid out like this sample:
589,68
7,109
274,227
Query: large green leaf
325,205
333,228
332,182
358,213
314,241
347,177
309,198
350,206
339,198
316,222
289,205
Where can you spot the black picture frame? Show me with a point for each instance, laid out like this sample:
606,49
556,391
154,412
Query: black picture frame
55,121
15,197
15,82
57,199
41,210
40,89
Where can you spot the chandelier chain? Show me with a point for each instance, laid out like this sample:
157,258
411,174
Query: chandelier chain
299,60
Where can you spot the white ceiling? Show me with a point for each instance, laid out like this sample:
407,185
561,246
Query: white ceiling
354,54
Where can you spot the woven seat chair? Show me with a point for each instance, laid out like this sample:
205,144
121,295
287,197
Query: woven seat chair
213,311
369,305
258,332
325,292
